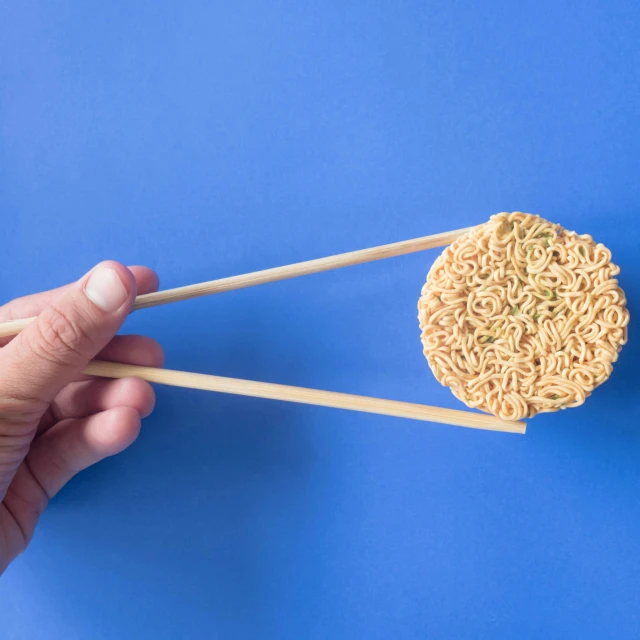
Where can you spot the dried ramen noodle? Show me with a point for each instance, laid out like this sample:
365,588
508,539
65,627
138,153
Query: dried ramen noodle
520,316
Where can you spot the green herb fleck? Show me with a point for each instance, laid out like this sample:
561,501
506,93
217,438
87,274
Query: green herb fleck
536,316
516,310
583,253
491,339
555,396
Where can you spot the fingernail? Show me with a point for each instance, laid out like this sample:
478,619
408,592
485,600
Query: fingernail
105,289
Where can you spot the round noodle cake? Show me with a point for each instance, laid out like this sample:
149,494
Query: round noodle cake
520,316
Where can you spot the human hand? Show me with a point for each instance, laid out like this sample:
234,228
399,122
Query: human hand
55,422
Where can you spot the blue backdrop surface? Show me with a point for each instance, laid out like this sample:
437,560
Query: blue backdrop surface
211,139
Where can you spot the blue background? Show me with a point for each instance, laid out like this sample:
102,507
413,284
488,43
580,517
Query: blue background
208,140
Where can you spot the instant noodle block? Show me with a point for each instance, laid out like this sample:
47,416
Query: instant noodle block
520,316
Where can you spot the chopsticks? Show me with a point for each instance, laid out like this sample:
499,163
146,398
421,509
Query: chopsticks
305,396
282,392
274,275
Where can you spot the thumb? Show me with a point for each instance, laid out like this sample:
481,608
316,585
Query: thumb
54,349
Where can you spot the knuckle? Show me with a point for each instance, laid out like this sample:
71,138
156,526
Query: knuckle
13,451
61,338
19,417
26,502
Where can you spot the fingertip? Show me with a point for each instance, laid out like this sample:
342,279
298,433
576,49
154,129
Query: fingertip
150,351
147,279
118,429
142,396
155,353
126,276
111,287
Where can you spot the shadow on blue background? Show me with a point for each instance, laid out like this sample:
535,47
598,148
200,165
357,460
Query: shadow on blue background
209,140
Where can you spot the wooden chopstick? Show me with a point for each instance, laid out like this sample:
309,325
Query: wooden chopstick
305,396
274,275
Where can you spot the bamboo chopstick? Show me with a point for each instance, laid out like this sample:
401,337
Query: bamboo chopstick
14,327
305,396
274,275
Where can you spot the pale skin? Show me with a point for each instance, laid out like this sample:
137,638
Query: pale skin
54,422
